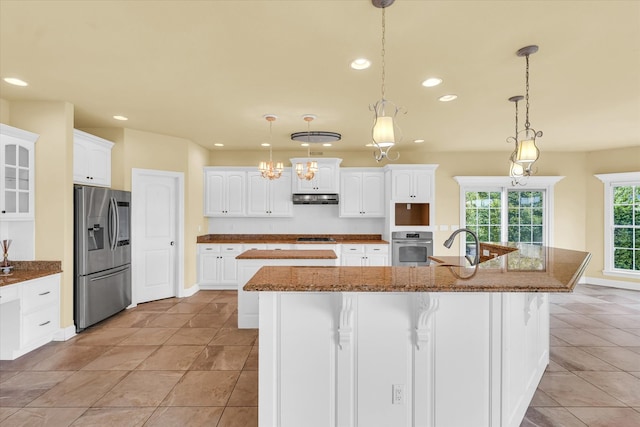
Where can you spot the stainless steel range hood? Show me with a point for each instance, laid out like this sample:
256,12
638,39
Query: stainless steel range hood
315,199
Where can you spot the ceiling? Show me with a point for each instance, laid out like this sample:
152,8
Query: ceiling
208,71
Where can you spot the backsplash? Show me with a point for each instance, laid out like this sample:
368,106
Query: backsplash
306,219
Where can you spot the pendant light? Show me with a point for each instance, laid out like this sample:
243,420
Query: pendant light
516,171
527,151
308,171
385,132
267,169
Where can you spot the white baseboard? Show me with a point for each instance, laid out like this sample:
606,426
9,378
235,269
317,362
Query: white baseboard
611,283
189,291
63,334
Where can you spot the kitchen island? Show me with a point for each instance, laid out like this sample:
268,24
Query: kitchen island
441,346
249,262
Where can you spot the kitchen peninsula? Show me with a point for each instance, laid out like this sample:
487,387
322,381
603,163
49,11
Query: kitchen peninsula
409,346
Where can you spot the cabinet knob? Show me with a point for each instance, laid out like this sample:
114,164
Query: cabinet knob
172,243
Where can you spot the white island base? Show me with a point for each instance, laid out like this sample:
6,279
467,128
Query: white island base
383,359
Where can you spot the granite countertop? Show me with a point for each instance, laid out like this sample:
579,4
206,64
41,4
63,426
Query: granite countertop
529,268
28,270
371,239
287,254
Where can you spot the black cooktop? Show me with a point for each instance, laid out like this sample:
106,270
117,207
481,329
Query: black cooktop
316,239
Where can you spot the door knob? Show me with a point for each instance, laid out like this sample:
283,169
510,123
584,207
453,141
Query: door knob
172,243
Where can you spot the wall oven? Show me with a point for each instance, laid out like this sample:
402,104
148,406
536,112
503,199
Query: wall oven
411,248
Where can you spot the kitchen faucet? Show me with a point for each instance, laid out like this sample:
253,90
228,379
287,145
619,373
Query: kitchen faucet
447,244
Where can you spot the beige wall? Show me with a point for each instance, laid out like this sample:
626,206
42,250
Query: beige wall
53,122
4,112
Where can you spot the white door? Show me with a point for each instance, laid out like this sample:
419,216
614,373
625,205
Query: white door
157,206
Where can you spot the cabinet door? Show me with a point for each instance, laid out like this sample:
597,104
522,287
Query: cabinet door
228,268
422,181
257,194
351,260
401,185
214,194
373,194
100,161
91,159
326,179
280,196
17,179
81,162
235,193
208,267
351,194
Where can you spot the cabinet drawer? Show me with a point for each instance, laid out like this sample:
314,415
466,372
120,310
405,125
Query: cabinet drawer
8,293
39,324
39,293
231,249
377,249
207,249
352,249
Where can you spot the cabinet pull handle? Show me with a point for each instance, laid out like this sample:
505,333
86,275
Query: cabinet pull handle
208,249
45,293
45,323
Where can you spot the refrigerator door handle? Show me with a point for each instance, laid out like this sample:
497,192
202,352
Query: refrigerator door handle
117,219
112,224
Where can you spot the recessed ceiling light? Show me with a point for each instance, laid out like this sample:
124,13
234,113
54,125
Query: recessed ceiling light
360,64
15,81
218,145
418,141
123,118
265,144
431,82
326,145
304,145
447,98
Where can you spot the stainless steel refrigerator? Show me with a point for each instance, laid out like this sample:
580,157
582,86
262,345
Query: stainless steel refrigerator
102,254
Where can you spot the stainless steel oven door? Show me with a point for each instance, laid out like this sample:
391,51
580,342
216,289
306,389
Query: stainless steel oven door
411,253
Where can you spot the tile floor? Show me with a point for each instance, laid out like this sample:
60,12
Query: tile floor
180,362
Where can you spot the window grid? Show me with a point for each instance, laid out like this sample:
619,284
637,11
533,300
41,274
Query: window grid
626,227
525,216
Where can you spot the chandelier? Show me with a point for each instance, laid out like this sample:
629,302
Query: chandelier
385,132
269,170
308,171
526,152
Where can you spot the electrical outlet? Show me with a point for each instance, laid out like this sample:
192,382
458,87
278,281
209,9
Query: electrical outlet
397,393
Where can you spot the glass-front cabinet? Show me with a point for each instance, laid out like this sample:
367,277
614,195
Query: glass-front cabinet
16,173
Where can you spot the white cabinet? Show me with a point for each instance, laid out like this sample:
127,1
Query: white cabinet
267,197
29,315
362,192
17,153
412,183
224,192
217,265
356,255
91,159
325,181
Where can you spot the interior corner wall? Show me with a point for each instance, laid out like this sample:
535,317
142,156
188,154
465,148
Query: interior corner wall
600,162
53,122
195,222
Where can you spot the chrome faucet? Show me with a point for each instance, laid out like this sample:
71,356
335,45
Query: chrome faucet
447,244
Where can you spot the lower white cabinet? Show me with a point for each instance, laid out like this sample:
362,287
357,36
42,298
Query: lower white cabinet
357,255
217,265
29,315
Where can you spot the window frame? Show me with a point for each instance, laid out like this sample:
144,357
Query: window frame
611,180
503,184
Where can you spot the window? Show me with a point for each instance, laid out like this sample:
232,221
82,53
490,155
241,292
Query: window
498,211
621,223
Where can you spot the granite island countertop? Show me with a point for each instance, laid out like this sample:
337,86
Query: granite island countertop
287,254
527,268
371,239
28,270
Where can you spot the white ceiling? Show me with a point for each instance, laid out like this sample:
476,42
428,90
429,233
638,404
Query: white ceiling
209,70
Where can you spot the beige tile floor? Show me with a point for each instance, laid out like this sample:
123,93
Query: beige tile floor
184,362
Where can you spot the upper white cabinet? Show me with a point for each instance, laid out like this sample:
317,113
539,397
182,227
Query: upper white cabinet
91,159
269,197
224,191
17,153
412,183
362,192
325,181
